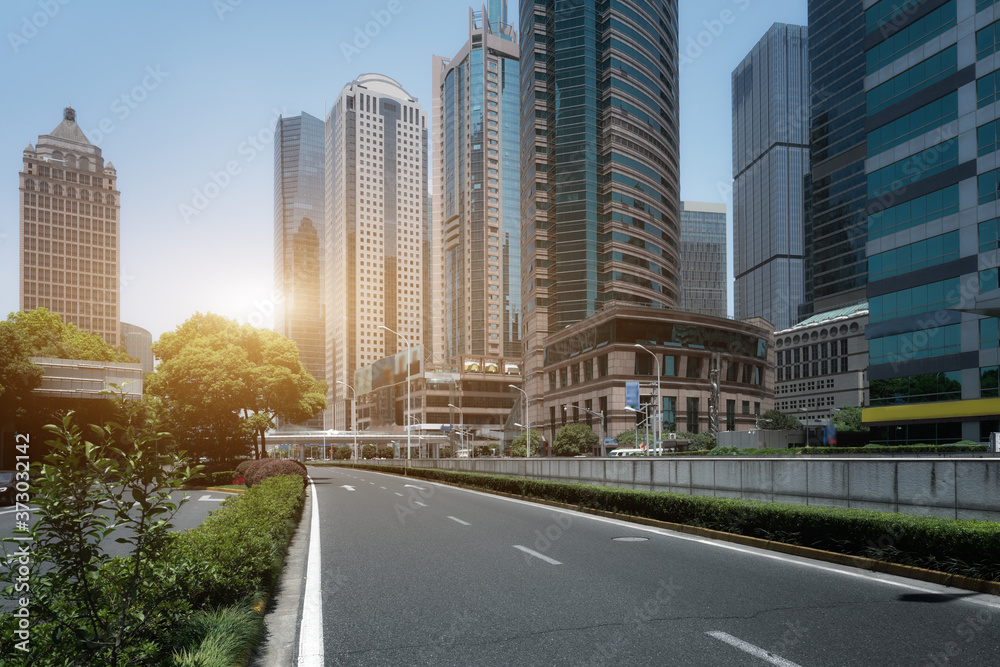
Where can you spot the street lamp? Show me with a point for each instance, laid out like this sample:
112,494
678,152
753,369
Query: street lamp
659,402
354,420
406,423
461,424
599,415
527,420
645,420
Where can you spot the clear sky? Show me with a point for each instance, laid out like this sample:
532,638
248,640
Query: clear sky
174,92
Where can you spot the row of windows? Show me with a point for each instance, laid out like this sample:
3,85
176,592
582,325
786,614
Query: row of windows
913,257
920,76
920,344
912,36
71,193
819,368
916,300
926,388
910,169
917,122
818,350
888,12
931,206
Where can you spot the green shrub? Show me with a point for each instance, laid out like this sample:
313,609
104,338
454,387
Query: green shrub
238,550
244,466
272,468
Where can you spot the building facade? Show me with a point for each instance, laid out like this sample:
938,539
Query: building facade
836,227
933,177
138,343
299,219
704,270
770,163
69,231
599,165
821,364
377,232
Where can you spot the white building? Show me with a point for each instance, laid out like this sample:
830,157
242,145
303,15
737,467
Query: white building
377,232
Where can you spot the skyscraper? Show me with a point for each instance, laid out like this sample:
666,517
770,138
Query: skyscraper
931,83
478,189
376,230
69,236
770,161
704,272
599,165
299,219
836,229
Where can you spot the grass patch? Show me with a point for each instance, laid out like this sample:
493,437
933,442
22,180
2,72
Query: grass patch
218,638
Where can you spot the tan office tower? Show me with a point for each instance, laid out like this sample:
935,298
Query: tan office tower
69,240
377,218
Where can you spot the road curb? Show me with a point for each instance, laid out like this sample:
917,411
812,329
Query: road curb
859,562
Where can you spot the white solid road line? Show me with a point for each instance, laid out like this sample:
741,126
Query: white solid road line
209,498
532,552
311,630
457,520
417,502
751,649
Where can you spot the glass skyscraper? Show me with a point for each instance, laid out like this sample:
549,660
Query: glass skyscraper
477,185
299,220
377,231
836,226
770,162
704,274
599,164
932,84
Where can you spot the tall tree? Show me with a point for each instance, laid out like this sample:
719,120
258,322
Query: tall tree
574,439
226,383
776,420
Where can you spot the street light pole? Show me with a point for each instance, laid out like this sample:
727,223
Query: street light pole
527,421
406,423
354,418
461,425
657,435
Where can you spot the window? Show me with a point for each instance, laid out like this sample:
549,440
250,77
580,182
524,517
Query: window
694,367
563,377
669,413
988,382
602,366
669,365
588,369
552,380
746,407
692,415
730,414
575,373
643,363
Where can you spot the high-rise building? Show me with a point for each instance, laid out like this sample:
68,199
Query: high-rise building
599,166
770,162
377,230
69,240
836,227
704,272
477,183
932,83
138,343
299,218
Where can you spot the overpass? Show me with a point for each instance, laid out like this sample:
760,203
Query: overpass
429,438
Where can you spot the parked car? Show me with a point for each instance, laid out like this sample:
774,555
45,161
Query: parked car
7,491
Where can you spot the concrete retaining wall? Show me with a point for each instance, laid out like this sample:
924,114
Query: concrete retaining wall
954,488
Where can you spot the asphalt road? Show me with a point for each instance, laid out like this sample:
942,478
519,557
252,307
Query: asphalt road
415,573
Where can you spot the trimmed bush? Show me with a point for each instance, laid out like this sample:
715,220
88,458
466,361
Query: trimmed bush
244,467
238,551
272,468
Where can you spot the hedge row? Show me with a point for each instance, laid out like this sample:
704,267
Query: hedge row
958,547
237,553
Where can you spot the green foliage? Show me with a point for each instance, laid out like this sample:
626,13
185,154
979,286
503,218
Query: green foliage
699,441
912,540
44,334
776,420
626,438
218,637
368,451
574,439
342,453
267,468
84,602
517,445
848,419
238,551
226,383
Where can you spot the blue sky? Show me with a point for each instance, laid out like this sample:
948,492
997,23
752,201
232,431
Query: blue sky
174,92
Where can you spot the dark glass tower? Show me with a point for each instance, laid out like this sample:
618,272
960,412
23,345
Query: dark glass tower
836,227
599,162
298,239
